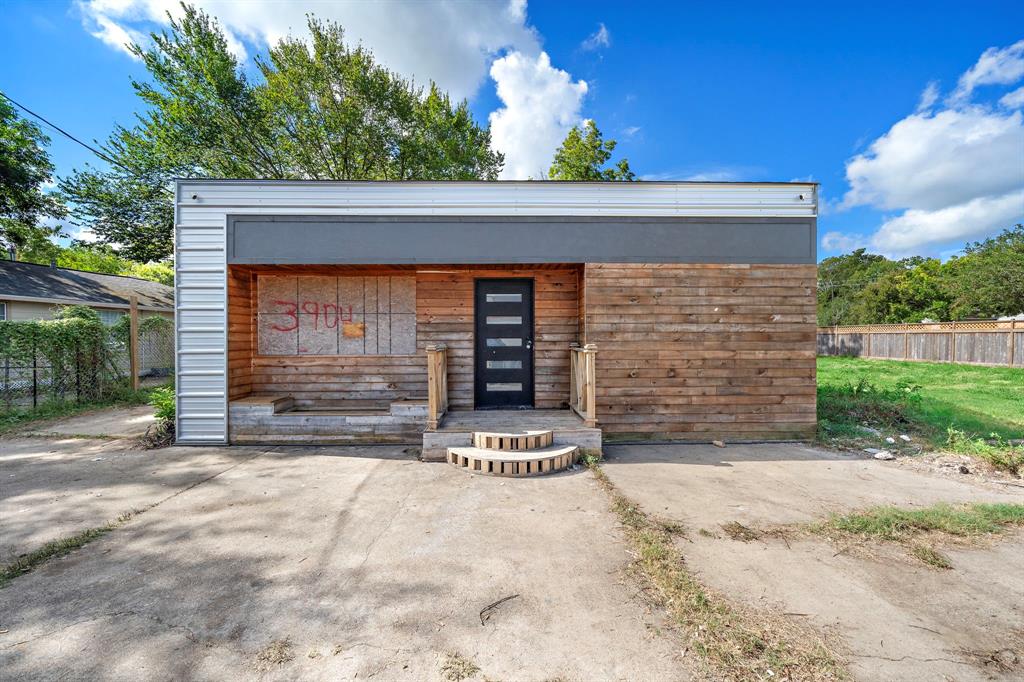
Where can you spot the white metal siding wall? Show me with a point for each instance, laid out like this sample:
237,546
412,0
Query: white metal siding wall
200,255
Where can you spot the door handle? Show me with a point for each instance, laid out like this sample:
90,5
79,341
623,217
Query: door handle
529,344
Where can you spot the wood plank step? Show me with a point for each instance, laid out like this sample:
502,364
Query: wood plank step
537,462
513,441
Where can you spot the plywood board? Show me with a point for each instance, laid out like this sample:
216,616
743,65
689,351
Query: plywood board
329,315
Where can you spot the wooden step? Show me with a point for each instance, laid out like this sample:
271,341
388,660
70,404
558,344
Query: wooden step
513,442
536,462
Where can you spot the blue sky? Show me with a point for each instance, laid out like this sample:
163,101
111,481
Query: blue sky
824,91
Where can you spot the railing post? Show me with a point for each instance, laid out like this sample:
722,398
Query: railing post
590,353
437,385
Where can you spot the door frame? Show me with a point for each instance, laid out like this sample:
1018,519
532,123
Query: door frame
531,357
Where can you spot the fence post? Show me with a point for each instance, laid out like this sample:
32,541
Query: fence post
133,342
1013,344
35,380
952,343
871,334
906,341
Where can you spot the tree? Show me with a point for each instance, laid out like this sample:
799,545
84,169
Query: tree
841,279
583,155
988,280
318,110
24,168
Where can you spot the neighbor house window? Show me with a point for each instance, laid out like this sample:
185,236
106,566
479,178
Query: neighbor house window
110,317
3,311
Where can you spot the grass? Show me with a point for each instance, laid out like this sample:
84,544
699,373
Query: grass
959,408
58,548
457,667
19,417
918,529
731,641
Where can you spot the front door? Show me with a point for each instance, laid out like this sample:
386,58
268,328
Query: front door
504,343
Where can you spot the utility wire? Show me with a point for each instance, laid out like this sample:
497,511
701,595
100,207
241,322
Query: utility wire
65,133
54,126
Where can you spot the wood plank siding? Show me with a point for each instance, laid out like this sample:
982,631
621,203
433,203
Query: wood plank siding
444,314
697,352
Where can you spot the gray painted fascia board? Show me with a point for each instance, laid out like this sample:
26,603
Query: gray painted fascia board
432,240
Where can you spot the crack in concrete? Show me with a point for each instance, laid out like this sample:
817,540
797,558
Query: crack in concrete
912,658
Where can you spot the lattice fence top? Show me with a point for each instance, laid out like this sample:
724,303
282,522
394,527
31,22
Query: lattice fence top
973,326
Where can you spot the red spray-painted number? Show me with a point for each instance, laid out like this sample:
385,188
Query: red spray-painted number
330,313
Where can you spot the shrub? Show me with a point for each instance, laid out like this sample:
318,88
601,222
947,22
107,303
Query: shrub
163,402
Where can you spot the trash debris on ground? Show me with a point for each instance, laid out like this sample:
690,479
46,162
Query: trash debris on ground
884,454
718,443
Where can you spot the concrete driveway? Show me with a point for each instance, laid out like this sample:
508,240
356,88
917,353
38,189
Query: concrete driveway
896,618
316,563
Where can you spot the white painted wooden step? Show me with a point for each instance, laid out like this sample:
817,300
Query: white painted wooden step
513,440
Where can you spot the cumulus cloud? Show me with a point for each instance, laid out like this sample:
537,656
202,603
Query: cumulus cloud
956,171
452,43
540,103
598,39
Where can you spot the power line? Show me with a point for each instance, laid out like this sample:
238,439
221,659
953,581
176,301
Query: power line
65,133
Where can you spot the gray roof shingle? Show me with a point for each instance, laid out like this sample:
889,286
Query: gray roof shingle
41,281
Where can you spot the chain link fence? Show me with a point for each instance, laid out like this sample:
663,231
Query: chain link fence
89,369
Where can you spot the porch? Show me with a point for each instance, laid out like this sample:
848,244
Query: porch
406,355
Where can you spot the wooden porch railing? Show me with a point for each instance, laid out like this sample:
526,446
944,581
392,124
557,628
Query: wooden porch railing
437,384
583,382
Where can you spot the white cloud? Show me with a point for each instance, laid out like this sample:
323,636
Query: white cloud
598,39
837,241
929,96
452,43
975,218
113,34
996,66
630,131
931,161
1013,100
956,171
540,103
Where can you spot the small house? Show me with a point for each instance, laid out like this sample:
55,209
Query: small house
506,316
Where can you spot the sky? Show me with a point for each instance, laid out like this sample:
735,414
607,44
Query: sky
910,115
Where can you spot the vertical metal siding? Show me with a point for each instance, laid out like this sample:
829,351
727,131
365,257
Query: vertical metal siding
200,281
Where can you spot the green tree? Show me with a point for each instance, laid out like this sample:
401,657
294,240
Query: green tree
583,155
24,168
318,110
842,279
988,280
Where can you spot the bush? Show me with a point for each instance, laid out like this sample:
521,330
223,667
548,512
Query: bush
842,408
162,400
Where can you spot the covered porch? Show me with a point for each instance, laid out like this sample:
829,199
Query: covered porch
347,354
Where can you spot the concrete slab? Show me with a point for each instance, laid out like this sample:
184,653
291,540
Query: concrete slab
112,422
900,619
53,488
370,563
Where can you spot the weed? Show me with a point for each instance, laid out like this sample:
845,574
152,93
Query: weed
276,653
731,641
58,548
996,451
931,556
457,667
908,526
737,531
672,527
704,532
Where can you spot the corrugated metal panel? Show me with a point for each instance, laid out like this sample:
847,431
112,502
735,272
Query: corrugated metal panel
200,287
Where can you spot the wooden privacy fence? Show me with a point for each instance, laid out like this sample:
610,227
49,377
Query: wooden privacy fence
973,343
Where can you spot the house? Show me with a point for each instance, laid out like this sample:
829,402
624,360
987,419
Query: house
35,292
494,323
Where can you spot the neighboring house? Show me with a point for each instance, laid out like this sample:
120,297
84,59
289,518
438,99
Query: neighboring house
35,292
441,313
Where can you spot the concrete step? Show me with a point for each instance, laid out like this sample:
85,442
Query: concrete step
521,463
513,441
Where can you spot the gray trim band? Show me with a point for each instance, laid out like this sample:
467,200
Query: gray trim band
362,239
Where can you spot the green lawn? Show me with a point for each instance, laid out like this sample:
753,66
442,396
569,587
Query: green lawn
978,400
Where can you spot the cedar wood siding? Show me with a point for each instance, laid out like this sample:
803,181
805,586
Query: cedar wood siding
696,352
444,314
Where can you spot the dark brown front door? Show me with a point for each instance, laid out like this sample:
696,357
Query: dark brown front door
504,343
